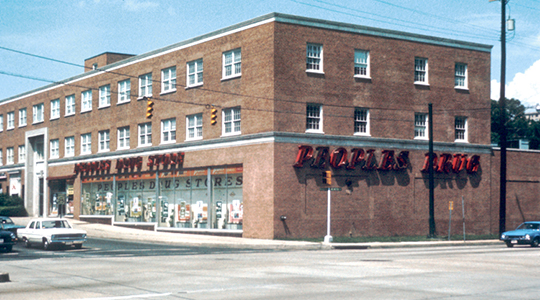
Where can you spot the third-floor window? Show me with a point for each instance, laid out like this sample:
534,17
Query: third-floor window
168,80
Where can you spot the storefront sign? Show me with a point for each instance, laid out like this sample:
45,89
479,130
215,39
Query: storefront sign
446,163
104,165
169,159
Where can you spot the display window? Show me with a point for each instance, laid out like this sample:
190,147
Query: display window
201,198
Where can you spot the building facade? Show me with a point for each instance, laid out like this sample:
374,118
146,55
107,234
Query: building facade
246,120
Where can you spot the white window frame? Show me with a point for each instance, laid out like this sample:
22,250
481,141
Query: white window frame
314,58
1,123
55,109
168,80
38,111
145,134
69,146
194,129
10,156
361,121
421,71
314,118
105,96
1,158
145,85
86,101
232,64
461,129
461,76
123,138
104,137
22,154
231,121
70,105
421,126
86,143
361,64
168,131
124,91
55,148
10,120
23,117
194,73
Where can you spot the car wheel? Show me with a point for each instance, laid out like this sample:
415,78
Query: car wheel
509,245
535,242
78,246
46,245
27,243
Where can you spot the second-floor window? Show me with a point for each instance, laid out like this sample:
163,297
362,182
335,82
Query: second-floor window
361,121
70,105
105,95
460,76
314,118
420,126
195,73
10,120
194,127
69,146
168,131
22,154
86,143
232,63
361,63
1,157
123,138
55,148
55,109
10,156
168,80
22,117
1,122
145,85
231,121
124,91
314,58
38,113
104,141
421,70
461,129
145,134
86,101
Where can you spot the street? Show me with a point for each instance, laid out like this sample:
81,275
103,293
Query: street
108,269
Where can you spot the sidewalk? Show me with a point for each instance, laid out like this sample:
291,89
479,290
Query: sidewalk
96,230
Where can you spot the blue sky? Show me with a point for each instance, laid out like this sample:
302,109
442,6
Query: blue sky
73,30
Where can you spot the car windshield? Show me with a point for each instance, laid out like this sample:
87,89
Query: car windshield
7,221
55,224
529,226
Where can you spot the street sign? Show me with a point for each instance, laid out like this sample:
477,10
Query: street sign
332,189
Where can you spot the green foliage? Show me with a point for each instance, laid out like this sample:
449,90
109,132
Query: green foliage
517,125
12,206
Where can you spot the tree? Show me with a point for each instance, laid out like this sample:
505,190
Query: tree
517,126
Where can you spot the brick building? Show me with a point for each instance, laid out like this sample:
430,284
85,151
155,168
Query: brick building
293,97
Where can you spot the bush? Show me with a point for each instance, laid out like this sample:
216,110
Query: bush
12,206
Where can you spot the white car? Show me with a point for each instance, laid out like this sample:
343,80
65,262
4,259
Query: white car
48,232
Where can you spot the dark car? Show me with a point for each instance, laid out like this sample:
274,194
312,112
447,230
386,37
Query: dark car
7,239
527,233
9,225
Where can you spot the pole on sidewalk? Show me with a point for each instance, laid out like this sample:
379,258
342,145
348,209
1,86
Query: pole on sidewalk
328,237
463,213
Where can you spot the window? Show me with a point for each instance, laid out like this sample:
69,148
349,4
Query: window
145,134
10,156
69,144
420,126
460,77
1,158
195,73
168,80
461,129
55,109
38,111
86,100
145,85
105,95
168,131
104,141
10,120
70,105
194,127
231,121
361,121
86,143
314,58
22,117
123,138
55,149
420,70
124,91
314,118
232,63
22,154
361,63
1,123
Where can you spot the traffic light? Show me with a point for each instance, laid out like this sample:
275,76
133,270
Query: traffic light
149,109
213,116
327,177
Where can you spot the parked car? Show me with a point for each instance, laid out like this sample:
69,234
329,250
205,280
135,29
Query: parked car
9,225
7,239
527,233
48,232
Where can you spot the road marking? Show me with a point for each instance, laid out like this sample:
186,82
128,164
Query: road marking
127,297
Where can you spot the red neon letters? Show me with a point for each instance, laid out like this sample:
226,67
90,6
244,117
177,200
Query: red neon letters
447,163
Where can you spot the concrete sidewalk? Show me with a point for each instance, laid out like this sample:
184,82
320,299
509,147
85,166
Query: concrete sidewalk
96,230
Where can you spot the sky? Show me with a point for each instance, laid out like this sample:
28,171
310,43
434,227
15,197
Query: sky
71,31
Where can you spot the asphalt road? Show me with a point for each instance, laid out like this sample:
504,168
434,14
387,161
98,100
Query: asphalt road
106,269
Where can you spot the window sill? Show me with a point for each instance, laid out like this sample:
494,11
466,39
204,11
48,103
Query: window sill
104,151
361,134
194,139
461,141
85,111
231,134
142,97
461,88
421,83
231,77
123,148
10,128
37,122
167,92
70,115
144,146
315,72
123,102
54,118
421,138
314,131
362,77
193,86
69,155
86,153
104,106
21,126
168,142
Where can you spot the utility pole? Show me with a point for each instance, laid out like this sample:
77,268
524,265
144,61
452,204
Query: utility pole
432,231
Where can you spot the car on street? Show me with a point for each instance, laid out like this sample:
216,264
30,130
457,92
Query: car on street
9,225
528,233
51,231
7,239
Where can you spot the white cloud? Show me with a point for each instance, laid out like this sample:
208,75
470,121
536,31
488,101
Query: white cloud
136,5
524,86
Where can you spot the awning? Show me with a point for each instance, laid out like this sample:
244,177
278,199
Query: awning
72,176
